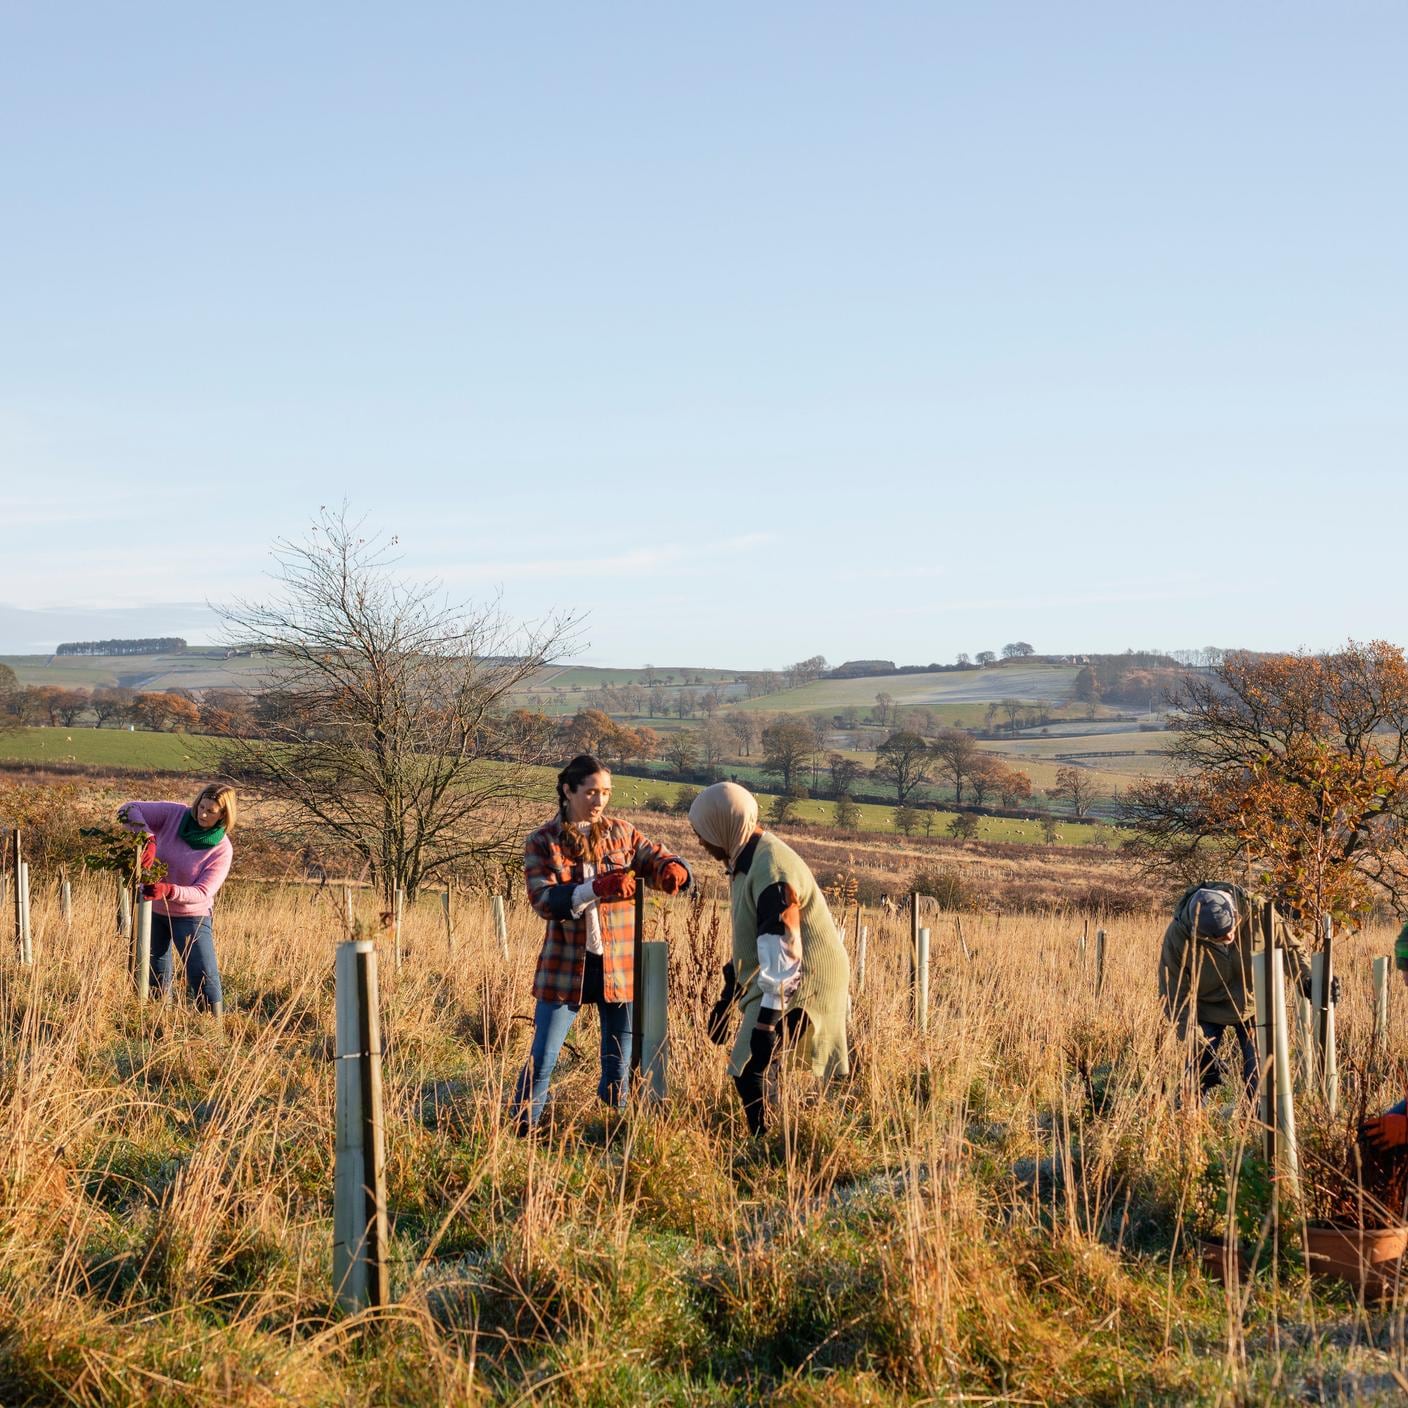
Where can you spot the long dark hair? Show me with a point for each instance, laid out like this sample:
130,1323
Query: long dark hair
577,845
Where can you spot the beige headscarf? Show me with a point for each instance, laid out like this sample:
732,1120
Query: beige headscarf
725,815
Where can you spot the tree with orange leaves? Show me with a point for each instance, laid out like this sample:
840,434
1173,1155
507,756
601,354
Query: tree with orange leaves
1292,770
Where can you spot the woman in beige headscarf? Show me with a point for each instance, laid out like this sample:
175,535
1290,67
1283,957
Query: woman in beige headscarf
792,974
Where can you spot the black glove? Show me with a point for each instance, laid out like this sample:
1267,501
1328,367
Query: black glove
722,1009
1334,988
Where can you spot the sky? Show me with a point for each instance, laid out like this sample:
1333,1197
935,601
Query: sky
745,333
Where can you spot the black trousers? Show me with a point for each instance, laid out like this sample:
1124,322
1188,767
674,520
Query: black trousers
762,1051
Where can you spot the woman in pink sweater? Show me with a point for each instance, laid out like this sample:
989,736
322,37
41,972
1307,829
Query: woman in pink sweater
194,844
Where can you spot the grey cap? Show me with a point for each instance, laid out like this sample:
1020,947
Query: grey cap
1212,913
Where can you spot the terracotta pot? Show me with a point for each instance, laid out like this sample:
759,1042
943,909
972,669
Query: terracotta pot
1218,1260
1368,1260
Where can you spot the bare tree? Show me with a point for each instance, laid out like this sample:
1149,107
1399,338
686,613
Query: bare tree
957,754
681,750
788,745
746,729
393,732
904,760
1075,785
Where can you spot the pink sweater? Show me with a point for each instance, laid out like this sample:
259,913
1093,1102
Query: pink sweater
197,875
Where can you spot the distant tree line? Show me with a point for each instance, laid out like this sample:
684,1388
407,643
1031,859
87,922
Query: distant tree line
149,645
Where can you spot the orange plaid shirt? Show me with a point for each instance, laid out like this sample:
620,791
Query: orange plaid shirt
552,876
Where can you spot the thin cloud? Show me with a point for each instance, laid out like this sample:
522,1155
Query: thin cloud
639,562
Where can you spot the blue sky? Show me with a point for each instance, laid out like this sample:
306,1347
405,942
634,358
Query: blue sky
749,332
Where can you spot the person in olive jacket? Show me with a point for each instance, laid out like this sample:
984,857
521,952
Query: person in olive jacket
1205,971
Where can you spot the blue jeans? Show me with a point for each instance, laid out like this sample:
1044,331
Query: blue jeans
551,1023
194,940
1210,1067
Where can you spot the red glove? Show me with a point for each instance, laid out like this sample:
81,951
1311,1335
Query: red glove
160,890
1386,1132
615,885
148,852
673,877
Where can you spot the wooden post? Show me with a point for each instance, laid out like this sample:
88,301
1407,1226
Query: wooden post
142,951
66,901
26,933
638,991
1323,1018
1099,962
861,944
654,1041
359,1268
1325,1057
500,924
347,908
447,911
962,942
921,986
1381,971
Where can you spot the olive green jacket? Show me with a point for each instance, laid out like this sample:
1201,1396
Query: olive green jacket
1220,972
824,990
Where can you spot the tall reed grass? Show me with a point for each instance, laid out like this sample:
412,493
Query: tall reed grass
1005,1210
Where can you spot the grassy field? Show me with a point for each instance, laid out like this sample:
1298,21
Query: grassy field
1004,1211
939,691
194,669
177,752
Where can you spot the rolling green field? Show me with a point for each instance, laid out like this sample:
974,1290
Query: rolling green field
193,753
193,669
938,691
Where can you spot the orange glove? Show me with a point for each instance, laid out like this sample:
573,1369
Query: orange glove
161,890
615,885
148,852
1386,1132
673,877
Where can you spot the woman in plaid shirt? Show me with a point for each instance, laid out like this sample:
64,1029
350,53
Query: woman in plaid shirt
581,869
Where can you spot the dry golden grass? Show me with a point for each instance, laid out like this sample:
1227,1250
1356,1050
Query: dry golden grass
1003,1210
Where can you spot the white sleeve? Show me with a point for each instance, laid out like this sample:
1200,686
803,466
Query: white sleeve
779,969
583,898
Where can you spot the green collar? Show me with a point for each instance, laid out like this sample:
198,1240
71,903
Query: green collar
196,837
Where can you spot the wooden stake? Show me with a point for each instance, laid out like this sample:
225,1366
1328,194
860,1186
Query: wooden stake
962,942
638,989
347,907
861,944
1099,962
1324,1008
360,1276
